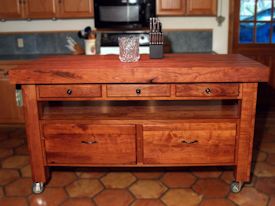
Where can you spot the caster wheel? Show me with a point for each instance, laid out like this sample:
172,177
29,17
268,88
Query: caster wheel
37,187
236,187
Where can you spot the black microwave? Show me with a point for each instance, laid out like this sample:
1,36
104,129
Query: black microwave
124,14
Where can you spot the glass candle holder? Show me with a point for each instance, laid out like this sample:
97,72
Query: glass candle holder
129,49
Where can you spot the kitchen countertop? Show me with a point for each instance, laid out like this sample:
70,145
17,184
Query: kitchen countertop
102,69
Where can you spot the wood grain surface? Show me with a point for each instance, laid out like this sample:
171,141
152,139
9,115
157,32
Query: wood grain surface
176,68
189,143
90,143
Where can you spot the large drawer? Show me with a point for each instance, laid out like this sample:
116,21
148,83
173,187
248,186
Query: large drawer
138,90
207,90
69,91
189,143
89,144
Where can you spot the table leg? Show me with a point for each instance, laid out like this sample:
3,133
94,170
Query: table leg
246,132
35,144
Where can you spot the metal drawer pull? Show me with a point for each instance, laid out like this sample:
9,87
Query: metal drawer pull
189,142
208,91
69,92
88,142
138,91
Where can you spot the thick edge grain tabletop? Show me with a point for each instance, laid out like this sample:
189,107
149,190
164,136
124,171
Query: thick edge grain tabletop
174,68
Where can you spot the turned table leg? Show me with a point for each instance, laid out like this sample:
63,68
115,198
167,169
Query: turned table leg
35,144
246,135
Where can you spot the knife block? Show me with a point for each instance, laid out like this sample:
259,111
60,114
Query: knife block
156,51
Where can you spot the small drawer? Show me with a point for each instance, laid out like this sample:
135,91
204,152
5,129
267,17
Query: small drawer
207,90
69,91
189,143
89,143
139,90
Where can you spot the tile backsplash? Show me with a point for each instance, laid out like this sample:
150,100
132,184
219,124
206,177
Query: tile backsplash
37,43
54,43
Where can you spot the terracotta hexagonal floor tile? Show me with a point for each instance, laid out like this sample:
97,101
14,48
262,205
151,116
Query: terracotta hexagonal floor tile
26,171
5,153
20,187
268,147
148,189
1,192
51,197
22,150
217,202
118,180
8,175
148,175
211,172
61,179
78,202
13,201
211,187
272,202
114,197
271,159
12,143
89,173
228,176
178,179
266,185
260,156
249,197
15,162
84,188
147,203
181,197
263,169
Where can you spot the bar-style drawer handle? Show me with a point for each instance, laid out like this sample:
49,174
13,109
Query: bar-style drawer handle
138,91
189,142
89,142
69,92
208,91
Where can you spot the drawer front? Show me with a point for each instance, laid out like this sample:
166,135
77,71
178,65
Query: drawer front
189,143
90,144
207,90
138,90
69,91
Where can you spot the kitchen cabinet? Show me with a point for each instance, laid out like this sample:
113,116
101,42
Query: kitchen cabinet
201,8
46,9
96,111
10,113
170,7
11,9
75,9
36,9
186,7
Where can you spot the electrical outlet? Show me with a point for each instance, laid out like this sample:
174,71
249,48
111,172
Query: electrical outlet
20,43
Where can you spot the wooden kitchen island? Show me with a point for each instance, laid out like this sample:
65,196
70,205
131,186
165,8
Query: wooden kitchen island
183,110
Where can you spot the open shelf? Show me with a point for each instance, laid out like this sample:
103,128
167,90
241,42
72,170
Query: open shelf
139,110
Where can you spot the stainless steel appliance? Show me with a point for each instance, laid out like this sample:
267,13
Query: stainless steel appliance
124,14
109,42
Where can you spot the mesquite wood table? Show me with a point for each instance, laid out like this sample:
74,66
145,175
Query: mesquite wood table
183,110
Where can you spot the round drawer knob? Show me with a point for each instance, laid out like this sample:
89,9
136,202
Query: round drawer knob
138,91
69,92
208,91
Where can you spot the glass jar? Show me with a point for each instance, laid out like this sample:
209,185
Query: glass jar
129,48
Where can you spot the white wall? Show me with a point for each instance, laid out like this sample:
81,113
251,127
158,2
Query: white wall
220,34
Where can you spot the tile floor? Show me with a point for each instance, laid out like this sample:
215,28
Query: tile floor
130,187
